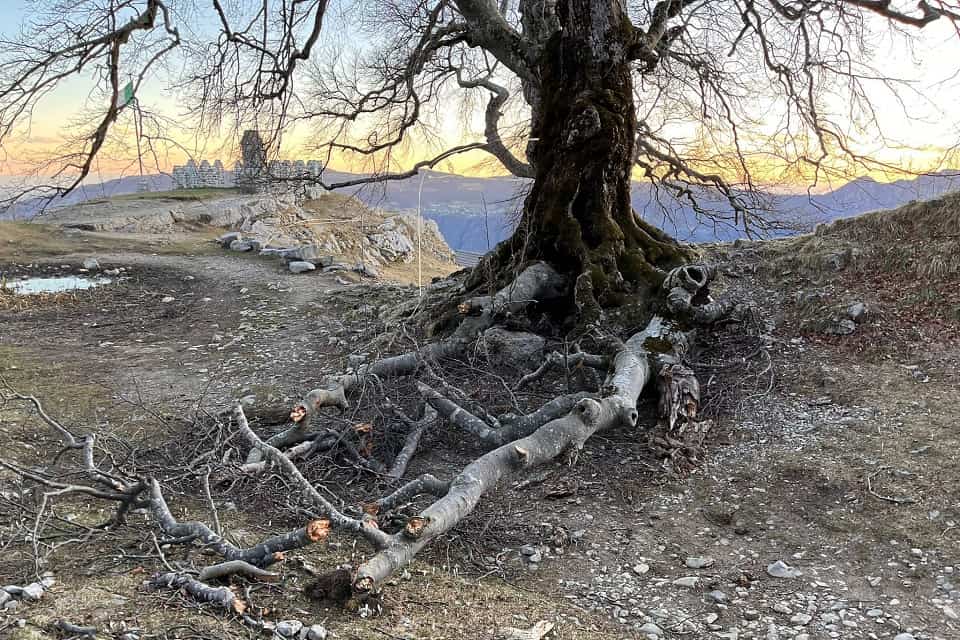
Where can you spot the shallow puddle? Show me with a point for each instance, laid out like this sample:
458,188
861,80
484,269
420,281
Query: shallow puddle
32,286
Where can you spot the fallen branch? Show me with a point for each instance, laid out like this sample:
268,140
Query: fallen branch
221,597
233,567
76,631
337,520
556,359
410,444
261,555
567,434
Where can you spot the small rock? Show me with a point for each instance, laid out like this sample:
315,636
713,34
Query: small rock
33,591
874,613
711,618
91,264
751,614
801,619
528,550
857,311
717,596
687,581
903,636
513,349
782,607
366,269
829,618
317,632
651,629
240,245
10,605
301,266
916,553
167,299
229,238
841,327
641,568
289,628
781,569
950,613
699,562
536,557
4,598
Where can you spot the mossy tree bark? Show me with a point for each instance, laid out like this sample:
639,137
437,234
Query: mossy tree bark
578,215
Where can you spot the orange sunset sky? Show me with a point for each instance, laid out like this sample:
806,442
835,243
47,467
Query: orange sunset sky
920,133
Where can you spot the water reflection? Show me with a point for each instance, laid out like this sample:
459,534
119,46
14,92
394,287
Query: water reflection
54,285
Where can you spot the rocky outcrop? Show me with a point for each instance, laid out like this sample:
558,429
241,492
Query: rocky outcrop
282,228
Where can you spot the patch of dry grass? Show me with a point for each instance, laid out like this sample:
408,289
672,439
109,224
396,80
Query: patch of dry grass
918,240
27,241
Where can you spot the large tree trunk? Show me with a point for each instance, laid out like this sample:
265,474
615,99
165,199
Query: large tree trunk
578,216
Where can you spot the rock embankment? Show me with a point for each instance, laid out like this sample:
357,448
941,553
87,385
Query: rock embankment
334,235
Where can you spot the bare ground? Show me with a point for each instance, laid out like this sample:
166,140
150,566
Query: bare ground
833,454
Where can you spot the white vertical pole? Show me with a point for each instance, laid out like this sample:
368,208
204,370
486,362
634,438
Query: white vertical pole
419,236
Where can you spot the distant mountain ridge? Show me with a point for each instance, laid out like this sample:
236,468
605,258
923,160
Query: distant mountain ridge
475,213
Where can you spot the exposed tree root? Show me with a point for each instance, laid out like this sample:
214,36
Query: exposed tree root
688,295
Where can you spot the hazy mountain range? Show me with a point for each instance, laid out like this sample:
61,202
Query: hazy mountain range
476,213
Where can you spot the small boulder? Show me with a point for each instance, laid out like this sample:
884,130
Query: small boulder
91,264
229,238
240,245
857,311
687,581
317,632
699,562
301,266
840,327
367,270
289,628
513,349
801,619
718,596
309,252
781,569
651,629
